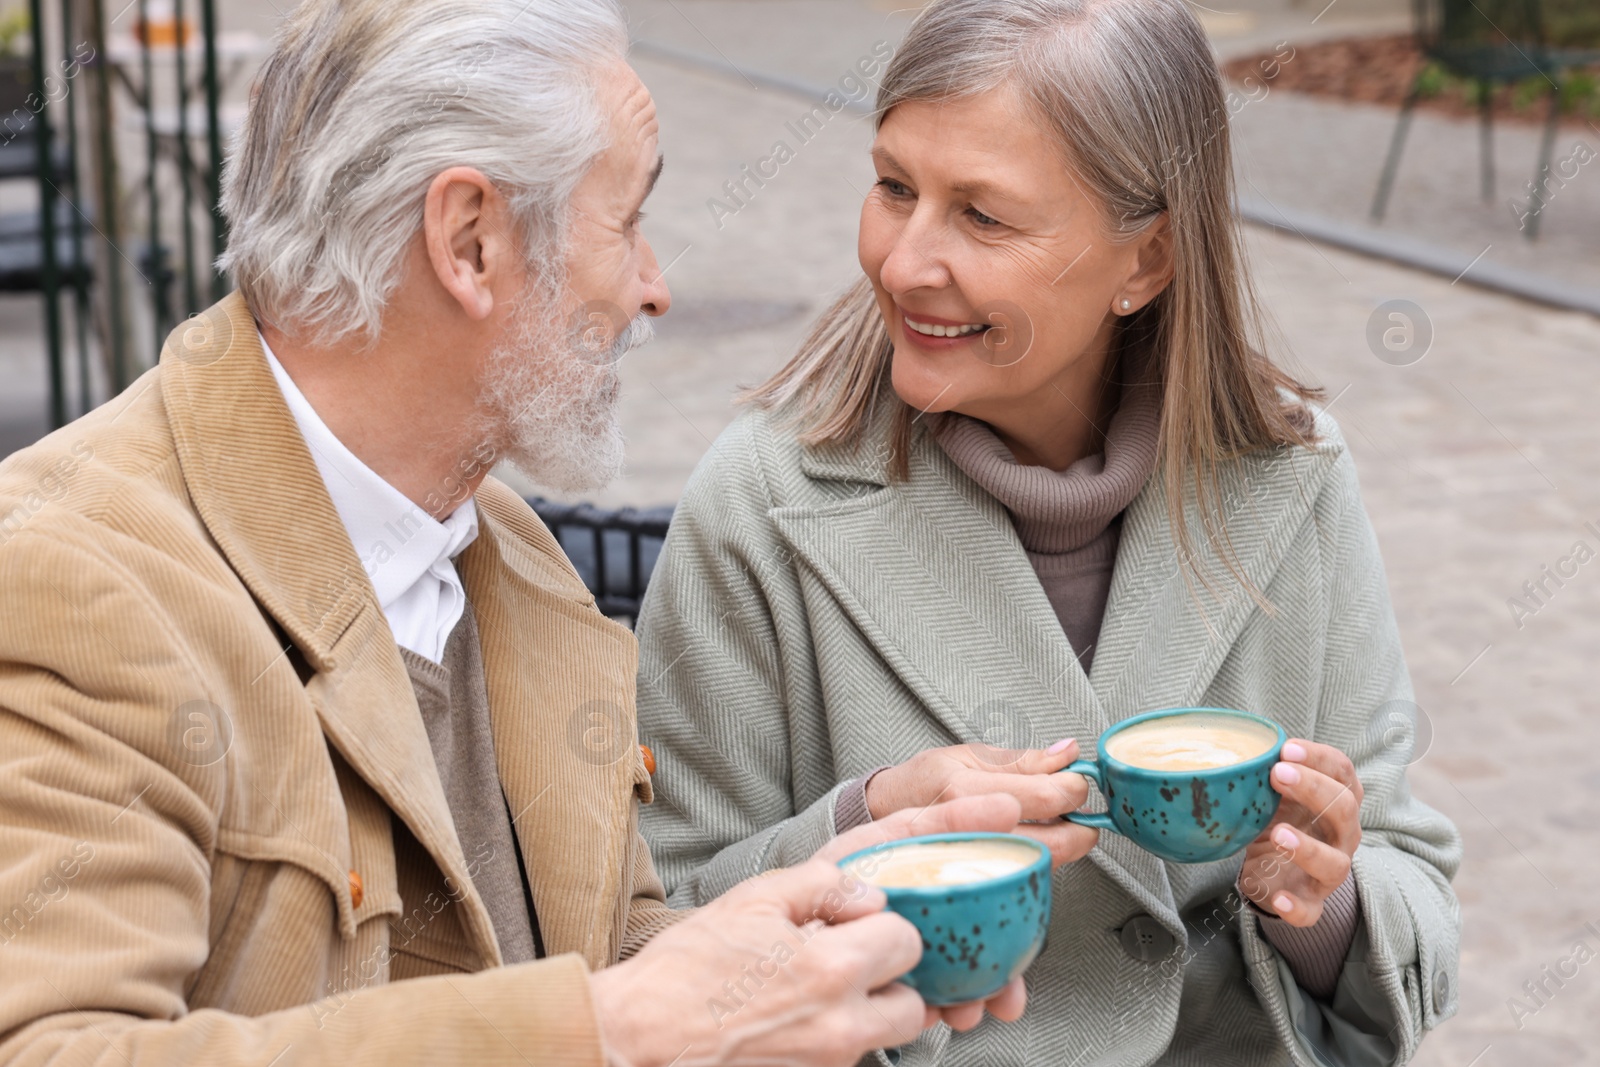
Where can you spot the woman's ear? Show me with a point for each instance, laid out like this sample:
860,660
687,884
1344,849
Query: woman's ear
467,247
1152,266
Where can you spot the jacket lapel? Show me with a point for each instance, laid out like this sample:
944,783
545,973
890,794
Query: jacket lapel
560,679
262,499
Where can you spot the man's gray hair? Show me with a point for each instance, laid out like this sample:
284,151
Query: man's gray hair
363,102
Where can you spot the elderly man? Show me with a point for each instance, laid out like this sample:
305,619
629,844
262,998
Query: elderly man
313,748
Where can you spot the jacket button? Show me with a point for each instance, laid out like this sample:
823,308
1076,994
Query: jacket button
1441,990
357,890
1146,940
649,759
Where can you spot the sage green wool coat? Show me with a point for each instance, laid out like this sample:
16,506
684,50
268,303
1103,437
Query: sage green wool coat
810,619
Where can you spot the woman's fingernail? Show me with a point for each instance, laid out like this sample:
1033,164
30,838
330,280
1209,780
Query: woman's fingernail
1286,837
1294,751
1061,746
1283,904
1288,773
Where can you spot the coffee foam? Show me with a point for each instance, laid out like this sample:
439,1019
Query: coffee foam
1190,742
943,863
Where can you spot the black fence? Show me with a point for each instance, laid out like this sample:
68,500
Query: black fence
115,119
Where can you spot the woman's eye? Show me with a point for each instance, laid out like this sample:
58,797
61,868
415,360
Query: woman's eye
981,219
892,187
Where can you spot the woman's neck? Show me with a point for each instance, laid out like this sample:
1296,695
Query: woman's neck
1063,421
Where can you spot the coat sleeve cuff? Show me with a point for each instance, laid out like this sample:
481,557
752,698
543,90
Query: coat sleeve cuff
1316,954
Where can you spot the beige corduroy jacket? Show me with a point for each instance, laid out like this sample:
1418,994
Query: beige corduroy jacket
206,727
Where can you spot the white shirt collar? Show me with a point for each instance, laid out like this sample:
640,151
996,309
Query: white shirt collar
405,551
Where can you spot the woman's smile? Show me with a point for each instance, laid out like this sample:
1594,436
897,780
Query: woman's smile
937,334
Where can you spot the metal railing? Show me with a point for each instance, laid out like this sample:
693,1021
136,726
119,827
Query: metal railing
117,263
612,551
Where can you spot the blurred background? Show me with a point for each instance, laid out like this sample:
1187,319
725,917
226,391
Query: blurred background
1420,190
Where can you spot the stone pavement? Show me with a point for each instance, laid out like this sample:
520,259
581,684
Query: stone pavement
1324,156
1479,465
1480,461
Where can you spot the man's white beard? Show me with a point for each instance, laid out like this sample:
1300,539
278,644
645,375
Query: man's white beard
553,398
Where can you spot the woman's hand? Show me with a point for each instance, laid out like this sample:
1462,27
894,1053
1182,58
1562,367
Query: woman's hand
1304,855
1033,776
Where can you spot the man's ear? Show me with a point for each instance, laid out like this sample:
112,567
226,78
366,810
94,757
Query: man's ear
1152,265
464,226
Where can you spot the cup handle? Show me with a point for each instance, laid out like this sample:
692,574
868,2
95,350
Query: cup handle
1098,819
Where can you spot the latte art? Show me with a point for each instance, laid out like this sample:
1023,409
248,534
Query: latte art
1190,742
941,863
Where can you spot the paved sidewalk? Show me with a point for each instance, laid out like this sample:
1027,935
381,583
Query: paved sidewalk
1480,466
1323,156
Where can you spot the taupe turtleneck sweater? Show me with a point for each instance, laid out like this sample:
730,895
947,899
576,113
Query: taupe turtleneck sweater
1069,521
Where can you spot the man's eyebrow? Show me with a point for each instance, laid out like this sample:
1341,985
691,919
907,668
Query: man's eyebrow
655,174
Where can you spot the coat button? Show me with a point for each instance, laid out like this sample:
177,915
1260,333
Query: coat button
1441,990
1146,940
649,759
357,890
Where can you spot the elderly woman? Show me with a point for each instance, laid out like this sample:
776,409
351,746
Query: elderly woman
1031,476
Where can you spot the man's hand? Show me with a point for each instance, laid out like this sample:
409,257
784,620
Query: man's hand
1304,855
796,967
1033,776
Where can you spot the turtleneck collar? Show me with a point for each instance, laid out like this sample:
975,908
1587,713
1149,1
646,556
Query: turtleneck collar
1063,511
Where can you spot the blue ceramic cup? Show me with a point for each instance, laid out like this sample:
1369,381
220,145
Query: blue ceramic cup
976,935
1187,816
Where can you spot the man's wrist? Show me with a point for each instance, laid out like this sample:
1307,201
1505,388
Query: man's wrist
618,1040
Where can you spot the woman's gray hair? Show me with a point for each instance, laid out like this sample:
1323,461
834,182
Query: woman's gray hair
1129,86
363,102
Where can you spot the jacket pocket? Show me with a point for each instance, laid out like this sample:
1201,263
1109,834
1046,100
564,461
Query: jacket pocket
274,935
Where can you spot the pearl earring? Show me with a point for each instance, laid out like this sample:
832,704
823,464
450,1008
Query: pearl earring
1126,304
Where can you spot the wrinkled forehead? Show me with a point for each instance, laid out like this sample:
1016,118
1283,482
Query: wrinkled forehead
628,105
631,155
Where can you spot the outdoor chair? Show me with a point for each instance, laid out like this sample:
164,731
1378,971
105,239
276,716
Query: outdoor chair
22,251
1490,43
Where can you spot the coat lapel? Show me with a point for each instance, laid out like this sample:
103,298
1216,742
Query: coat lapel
933,573
1165,638
560,679
262,499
